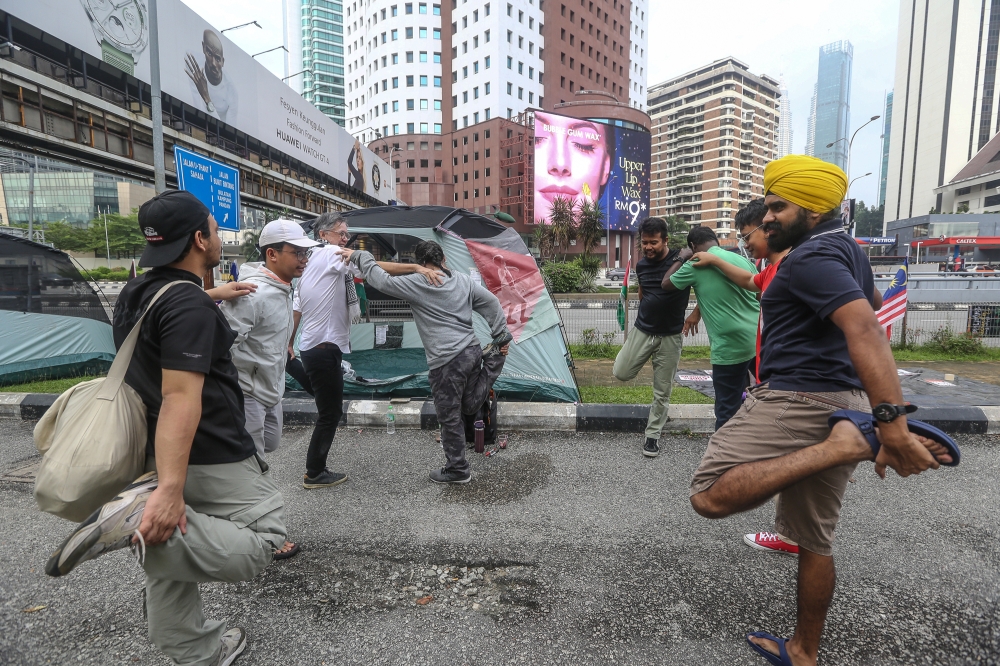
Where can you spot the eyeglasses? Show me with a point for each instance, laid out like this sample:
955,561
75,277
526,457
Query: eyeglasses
300,254
743,237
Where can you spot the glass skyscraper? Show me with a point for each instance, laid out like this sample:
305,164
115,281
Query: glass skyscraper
314,39
833,102
886,127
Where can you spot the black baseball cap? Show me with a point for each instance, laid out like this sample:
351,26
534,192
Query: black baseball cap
167,221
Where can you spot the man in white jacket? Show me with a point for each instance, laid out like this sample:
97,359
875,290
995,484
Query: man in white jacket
263,324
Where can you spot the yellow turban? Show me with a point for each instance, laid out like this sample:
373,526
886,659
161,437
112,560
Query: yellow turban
806,181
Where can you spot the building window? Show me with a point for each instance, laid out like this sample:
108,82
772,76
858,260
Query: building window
409,7
437,81
395,82
510,88
486,62
437,105
409,56
422,32
475,93
520,68
475,119
424,104
437,10
436,33
395,105
437,163
520,93
423,128
394,11
486,91
510,36
423,56
395,35
437,127
409,128
531,98
487,191
487,116
437,57
395,58
465,97
423,81
422,8
409,33
475,67
424,164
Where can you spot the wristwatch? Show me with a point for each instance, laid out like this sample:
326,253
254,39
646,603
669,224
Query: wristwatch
121,29
887,412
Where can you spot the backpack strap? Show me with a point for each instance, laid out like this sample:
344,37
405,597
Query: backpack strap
116,375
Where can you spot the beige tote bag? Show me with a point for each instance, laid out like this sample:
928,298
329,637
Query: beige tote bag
93,438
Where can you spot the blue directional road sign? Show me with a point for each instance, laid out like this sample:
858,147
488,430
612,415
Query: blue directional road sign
216,185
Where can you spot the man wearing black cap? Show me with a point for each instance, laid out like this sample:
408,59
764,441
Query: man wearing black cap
207,510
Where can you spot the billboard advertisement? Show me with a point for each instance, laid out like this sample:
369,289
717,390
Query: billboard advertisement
582,160
204,69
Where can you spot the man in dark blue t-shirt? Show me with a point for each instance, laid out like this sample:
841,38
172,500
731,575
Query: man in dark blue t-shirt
822,349
657,331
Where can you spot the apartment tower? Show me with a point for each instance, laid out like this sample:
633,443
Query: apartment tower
314,53
714,129
832,108
948,107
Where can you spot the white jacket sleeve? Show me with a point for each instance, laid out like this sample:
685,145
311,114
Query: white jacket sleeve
242,317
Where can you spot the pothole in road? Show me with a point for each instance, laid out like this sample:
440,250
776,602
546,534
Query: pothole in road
504,480
503,591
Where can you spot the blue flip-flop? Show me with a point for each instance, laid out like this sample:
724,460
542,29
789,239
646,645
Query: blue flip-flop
866,423
778,660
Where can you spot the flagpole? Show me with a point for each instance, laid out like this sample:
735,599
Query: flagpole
628,279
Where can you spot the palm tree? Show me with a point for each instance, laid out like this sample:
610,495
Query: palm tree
589,232
562,223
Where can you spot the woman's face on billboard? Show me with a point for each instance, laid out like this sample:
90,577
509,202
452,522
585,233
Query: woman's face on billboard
571,160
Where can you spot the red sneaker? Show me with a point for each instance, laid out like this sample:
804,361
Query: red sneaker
771,543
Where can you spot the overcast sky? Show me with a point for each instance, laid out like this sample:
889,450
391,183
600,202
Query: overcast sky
774,37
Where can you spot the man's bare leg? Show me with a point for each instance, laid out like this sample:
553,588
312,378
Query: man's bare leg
817,579
747,486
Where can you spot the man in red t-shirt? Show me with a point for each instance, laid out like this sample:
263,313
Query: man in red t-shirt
749,223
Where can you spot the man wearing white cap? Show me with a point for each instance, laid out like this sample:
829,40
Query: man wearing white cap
263,324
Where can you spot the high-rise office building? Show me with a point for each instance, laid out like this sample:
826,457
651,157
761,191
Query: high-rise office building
886,134
833,103
640,54
811,126
785,121
949,101
314,53
714,129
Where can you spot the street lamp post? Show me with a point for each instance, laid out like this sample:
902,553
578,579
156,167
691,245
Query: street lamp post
850,144
156,111
292,76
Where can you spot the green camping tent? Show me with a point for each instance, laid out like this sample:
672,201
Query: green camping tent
386,350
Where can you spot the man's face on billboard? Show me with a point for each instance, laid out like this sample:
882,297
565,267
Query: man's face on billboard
571,160
211,46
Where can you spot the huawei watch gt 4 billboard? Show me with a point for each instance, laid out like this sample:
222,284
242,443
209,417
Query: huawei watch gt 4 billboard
204,69
583,160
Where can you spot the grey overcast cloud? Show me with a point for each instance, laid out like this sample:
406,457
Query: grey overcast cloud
774,37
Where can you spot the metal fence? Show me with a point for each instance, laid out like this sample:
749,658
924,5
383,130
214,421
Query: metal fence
600,318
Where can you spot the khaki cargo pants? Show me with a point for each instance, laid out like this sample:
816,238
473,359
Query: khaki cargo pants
235,520
770,424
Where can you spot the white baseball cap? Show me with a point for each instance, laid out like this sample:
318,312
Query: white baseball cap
284,231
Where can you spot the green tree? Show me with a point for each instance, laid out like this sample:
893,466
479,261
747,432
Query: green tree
543,239
590,225
677,231
563,224
123,235
868,220
68,237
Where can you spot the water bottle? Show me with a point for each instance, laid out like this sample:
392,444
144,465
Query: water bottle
390,421
480,436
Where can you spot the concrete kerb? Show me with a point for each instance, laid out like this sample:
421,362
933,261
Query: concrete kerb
537,416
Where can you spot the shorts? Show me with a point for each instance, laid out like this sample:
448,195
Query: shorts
774,423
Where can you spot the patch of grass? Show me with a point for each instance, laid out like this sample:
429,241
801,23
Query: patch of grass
611,351
928,353
640,395
46,385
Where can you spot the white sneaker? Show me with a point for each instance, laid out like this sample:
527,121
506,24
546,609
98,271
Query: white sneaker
109,528
234,642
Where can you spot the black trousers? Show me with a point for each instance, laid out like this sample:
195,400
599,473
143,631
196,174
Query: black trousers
326,375
729,381
460,386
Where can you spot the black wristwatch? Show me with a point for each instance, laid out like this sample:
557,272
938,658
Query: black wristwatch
887,412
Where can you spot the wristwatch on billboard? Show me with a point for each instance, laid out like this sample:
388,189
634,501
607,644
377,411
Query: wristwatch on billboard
122,30
887,412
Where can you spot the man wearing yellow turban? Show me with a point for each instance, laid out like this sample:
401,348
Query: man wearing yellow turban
825,367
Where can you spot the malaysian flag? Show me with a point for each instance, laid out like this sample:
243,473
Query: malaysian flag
894,299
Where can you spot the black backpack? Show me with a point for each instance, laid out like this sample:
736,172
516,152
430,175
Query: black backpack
488,415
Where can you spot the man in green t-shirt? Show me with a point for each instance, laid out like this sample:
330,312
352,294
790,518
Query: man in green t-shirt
730,315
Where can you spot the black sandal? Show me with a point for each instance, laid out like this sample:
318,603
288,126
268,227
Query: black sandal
284,555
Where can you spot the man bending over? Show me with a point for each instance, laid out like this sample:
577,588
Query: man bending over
461,373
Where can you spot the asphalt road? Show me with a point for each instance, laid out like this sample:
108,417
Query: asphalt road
579,550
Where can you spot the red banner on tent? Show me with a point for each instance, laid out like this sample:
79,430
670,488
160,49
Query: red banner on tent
511,277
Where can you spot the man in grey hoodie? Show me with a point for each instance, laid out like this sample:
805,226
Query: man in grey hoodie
461,373
263,324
